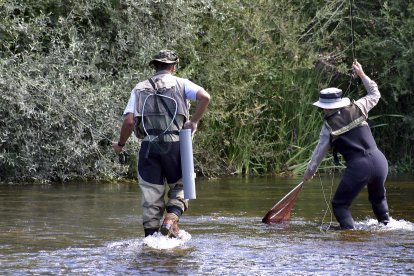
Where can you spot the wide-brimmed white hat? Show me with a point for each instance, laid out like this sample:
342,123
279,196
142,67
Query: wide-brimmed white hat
331,98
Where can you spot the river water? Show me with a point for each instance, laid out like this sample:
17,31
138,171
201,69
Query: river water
95,229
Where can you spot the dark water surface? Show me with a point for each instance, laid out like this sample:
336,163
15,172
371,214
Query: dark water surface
95,229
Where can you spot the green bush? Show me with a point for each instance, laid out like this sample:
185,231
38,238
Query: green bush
67,69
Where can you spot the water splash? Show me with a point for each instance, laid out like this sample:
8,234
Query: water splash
158,241
370,224
393,225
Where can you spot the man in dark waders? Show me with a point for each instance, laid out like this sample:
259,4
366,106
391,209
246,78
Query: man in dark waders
157,109
346,131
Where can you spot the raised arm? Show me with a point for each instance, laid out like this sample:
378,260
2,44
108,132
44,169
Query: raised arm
373,95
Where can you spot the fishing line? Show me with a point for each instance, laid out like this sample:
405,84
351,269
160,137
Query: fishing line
328,206
122,156
333,9
161,147
159,127
169,125
352,79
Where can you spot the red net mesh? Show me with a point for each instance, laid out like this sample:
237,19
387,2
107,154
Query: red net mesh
281,211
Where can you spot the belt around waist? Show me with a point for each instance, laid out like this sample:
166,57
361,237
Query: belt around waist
159,132
167,137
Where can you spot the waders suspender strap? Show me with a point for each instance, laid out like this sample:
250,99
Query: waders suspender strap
163,103
335,156
334,151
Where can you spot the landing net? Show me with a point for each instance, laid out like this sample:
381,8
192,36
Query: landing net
281,210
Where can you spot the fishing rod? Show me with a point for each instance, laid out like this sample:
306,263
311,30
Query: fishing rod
353,78
123,156
353,51
351,15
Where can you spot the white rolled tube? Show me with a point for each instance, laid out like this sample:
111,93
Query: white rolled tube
187,163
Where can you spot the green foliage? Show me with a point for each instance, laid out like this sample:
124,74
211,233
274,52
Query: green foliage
67,68
391,37
66,71
258,77
384,45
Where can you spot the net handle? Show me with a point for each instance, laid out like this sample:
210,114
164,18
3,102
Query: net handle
286,196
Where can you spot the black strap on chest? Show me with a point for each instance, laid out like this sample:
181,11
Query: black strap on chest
334,153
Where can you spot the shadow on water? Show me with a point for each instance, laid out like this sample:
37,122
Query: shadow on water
96,229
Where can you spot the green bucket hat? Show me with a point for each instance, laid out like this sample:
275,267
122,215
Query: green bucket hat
165,56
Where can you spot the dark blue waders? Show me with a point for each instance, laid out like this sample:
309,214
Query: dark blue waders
364,167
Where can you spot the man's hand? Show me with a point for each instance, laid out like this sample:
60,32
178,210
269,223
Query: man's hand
358,69
203,99
117,148
307,176
191,125
126,131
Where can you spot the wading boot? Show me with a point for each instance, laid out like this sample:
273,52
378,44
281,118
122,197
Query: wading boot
150,231
169,226
384,219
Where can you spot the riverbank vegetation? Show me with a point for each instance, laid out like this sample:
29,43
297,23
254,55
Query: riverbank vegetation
67,69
